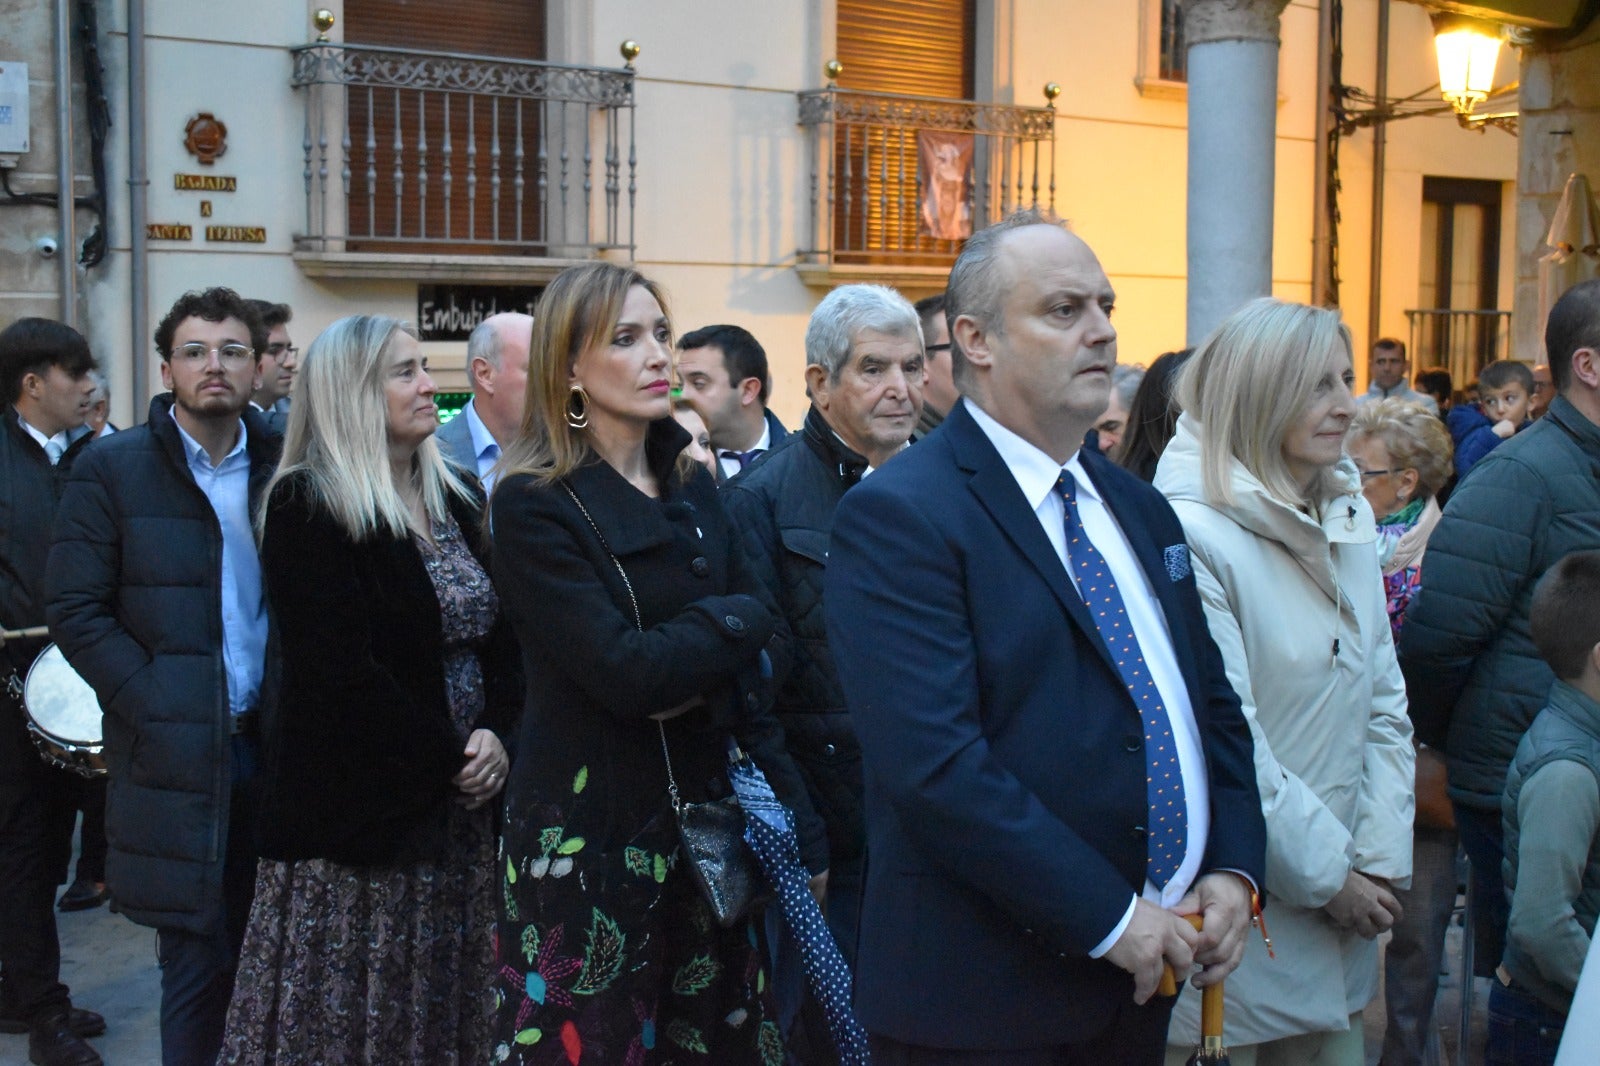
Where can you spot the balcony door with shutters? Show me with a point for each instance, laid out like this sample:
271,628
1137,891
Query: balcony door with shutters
1460,273
439,172
910,47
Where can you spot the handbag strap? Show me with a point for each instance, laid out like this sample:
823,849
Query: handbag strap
638,621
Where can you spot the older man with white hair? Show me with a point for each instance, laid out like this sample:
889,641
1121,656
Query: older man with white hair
864,374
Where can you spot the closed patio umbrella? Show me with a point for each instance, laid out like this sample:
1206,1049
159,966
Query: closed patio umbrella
1574,245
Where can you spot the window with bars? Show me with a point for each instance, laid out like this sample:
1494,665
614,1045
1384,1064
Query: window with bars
915,48
1174,61
470,141
1163,70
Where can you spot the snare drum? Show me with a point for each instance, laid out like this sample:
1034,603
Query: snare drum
63,715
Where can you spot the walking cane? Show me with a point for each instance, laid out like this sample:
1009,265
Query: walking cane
1211,1051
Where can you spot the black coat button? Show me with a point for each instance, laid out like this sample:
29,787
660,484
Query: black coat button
1138,832
734,623
752,701
699,567
1133,743
829,750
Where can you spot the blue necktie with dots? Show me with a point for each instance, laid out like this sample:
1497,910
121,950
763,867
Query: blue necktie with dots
1169,833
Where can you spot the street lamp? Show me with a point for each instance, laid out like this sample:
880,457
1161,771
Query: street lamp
1467,50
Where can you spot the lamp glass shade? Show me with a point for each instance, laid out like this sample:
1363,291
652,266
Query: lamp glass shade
1467,60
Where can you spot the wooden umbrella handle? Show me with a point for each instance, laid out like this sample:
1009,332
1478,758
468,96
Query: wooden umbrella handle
1211,1004
1169,980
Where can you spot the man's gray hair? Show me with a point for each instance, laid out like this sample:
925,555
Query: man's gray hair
976,283
484,343
1125,379
101,389
848,310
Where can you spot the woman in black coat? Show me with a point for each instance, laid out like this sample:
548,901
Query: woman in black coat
370,937
640,628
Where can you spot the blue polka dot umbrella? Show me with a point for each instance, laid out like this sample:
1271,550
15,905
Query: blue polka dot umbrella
769,830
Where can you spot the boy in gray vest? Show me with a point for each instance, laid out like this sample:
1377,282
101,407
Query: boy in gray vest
1552,824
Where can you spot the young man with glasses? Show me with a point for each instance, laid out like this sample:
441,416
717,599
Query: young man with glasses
279,360
155,597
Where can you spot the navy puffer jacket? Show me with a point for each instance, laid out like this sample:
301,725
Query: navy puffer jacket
1473,676
134,581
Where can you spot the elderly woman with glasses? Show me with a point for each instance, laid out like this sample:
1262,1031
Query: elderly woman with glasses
1402,452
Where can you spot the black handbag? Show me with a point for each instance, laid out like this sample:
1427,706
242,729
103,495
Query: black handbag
711,834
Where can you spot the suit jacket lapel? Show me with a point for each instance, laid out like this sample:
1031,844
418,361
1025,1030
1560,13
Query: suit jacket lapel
996,488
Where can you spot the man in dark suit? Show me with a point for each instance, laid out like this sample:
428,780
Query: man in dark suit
280,359
725,378
497,365
1049,785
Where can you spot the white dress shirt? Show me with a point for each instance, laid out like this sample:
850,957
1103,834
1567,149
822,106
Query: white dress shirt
730,465
1036,475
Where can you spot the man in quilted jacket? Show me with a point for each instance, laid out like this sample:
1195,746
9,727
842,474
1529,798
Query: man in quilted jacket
864,375
1474,679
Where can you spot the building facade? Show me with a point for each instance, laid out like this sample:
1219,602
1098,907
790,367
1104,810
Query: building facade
367,174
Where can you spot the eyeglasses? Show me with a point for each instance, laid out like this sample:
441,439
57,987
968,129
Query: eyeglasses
231,355
278,351
1373,473
936,347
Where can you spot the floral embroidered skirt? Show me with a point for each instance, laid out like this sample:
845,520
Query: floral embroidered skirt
612,956
370,965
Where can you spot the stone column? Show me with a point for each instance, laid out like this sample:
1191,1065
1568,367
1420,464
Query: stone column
1233,104
1558,134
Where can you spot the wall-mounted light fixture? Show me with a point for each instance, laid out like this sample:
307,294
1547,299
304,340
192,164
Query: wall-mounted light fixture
1468,49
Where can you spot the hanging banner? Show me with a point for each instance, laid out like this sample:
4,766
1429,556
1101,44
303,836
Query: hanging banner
946,180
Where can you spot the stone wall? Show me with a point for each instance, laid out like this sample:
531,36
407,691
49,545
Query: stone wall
1560,134
29,283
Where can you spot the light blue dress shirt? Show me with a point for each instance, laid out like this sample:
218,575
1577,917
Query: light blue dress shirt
484,447
244,605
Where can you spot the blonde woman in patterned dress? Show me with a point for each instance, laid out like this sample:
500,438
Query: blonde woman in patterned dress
370,937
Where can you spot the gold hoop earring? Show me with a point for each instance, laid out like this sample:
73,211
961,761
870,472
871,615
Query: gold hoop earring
577,418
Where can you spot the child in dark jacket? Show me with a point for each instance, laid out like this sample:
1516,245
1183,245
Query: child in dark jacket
1551,813
1506,388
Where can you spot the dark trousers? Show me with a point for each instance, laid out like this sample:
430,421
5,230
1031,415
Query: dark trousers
38,806
92,846
197,968
1411,964
1131,1036
1482,837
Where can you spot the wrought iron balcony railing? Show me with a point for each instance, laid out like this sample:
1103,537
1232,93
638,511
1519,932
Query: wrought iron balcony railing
900,179
432,152
1463,342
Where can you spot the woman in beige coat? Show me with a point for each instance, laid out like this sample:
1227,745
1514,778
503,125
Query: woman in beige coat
1283,547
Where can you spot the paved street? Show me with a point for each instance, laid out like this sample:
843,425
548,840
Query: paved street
110,965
